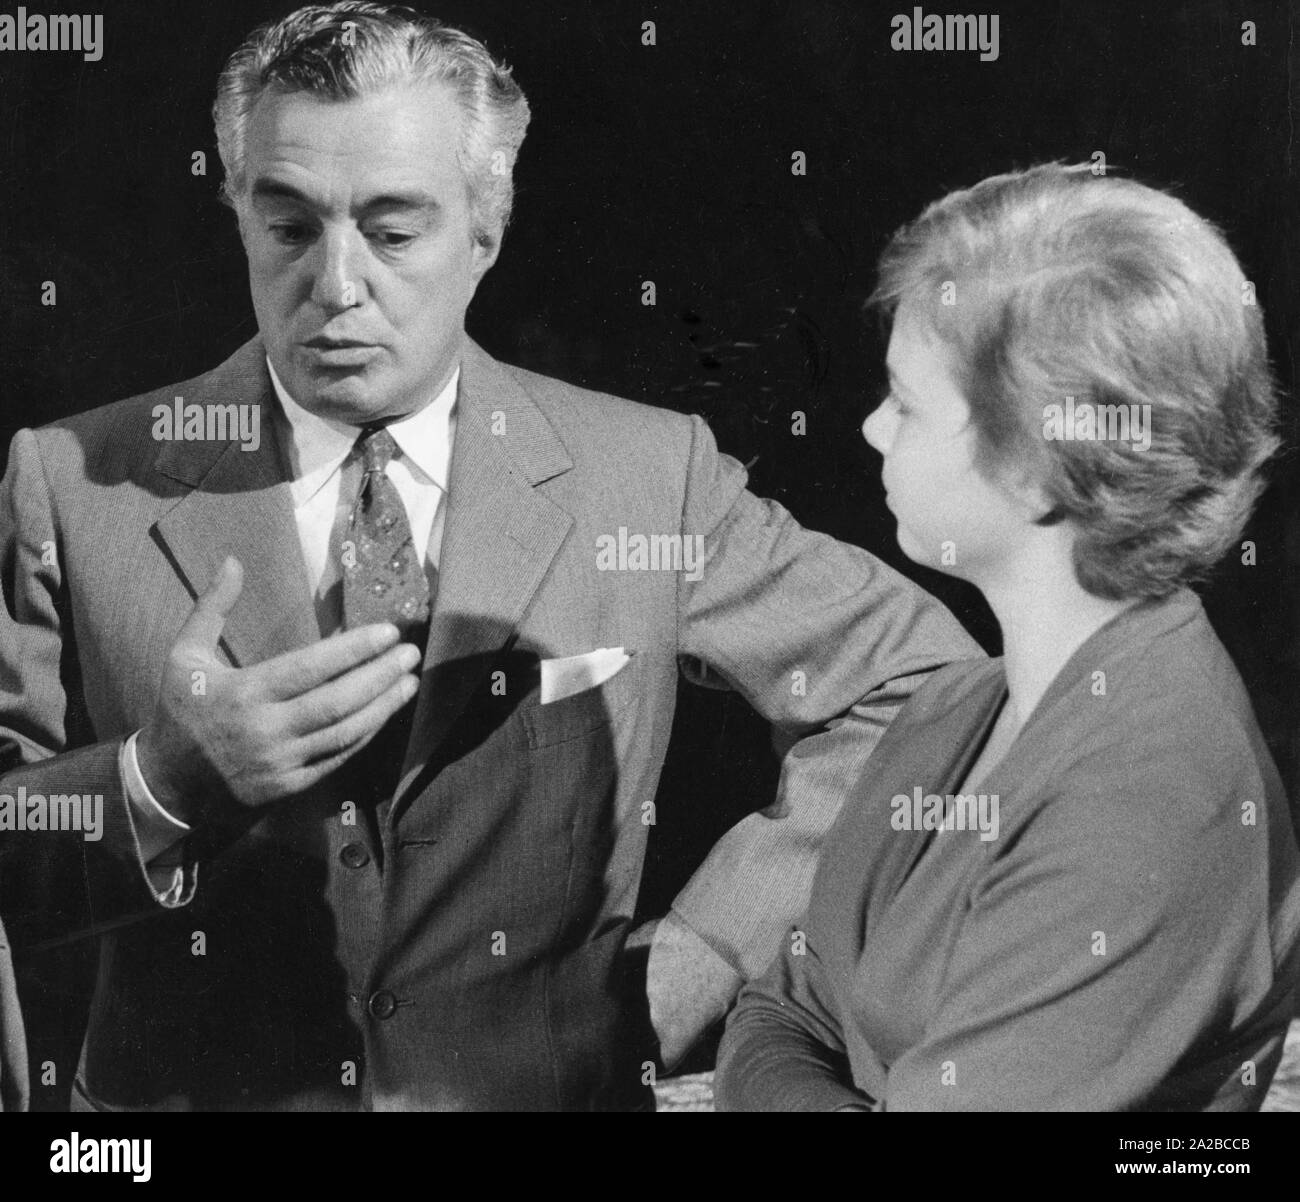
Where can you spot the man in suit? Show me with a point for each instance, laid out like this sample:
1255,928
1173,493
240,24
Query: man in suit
13,1046
376,682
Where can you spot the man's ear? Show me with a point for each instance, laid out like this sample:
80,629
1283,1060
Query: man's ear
486,247
239,210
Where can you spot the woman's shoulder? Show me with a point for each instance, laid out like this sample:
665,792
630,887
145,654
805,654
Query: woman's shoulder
1149,716
1177,691
1152,737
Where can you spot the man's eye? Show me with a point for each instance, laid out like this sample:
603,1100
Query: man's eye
290,233
392,238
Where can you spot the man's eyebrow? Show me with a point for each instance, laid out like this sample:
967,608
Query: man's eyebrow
270,189
273,189
414,199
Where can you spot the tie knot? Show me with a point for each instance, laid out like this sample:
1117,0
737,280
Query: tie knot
377,448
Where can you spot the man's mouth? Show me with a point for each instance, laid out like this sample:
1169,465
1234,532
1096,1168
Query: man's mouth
324,342
340,352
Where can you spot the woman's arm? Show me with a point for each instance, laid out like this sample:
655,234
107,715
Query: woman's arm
784,1047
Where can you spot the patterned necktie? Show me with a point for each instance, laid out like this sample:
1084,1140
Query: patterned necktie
382,577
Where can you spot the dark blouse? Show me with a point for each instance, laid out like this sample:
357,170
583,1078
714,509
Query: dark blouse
1129,938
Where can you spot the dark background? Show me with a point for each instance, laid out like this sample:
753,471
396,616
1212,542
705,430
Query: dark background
671,163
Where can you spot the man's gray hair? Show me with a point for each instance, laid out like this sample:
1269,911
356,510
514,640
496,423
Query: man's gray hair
351,49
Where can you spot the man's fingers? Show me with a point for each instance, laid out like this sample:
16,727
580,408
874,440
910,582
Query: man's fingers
345,695
312,774
351,734
296,672
202,629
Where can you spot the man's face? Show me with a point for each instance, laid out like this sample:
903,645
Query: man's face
361,258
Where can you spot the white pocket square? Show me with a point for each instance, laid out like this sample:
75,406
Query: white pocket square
572,674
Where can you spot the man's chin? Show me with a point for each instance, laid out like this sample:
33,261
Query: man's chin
343,395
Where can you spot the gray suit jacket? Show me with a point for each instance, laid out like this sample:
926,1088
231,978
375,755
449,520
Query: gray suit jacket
13,1046
459,948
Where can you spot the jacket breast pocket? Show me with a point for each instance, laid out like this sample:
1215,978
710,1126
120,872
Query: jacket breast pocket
579,714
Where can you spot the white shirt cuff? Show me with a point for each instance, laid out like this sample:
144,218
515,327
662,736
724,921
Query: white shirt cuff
142,799
158,834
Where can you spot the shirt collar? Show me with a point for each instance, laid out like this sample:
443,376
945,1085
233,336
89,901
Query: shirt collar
319,445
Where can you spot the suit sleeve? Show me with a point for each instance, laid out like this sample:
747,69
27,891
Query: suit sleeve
53,884
826,642
15,1090
784,1046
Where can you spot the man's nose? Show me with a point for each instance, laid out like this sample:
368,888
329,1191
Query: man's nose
337,284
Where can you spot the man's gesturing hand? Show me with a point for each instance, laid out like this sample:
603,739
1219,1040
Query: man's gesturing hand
254,735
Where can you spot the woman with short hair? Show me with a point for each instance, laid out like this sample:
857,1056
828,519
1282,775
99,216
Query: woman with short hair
1069,878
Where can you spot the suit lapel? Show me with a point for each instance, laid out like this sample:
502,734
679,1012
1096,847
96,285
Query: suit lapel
240,505
500,534
499,539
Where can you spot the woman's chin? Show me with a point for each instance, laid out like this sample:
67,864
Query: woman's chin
938,557
916,550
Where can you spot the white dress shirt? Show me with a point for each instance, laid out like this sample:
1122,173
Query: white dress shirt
317,448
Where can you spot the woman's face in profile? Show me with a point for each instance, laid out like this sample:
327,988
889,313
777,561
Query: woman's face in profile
949,516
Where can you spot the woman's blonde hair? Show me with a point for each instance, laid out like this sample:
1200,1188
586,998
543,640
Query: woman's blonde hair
1055,283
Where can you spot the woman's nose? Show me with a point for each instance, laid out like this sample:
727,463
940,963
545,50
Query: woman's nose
873,429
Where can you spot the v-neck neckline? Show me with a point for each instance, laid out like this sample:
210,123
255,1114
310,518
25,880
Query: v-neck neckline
962,782
944,783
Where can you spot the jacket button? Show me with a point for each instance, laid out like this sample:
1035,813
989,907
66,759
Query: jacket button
354,855
382,1004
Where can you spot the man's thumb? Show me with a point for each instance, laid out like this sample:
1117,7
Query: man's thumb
207,619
